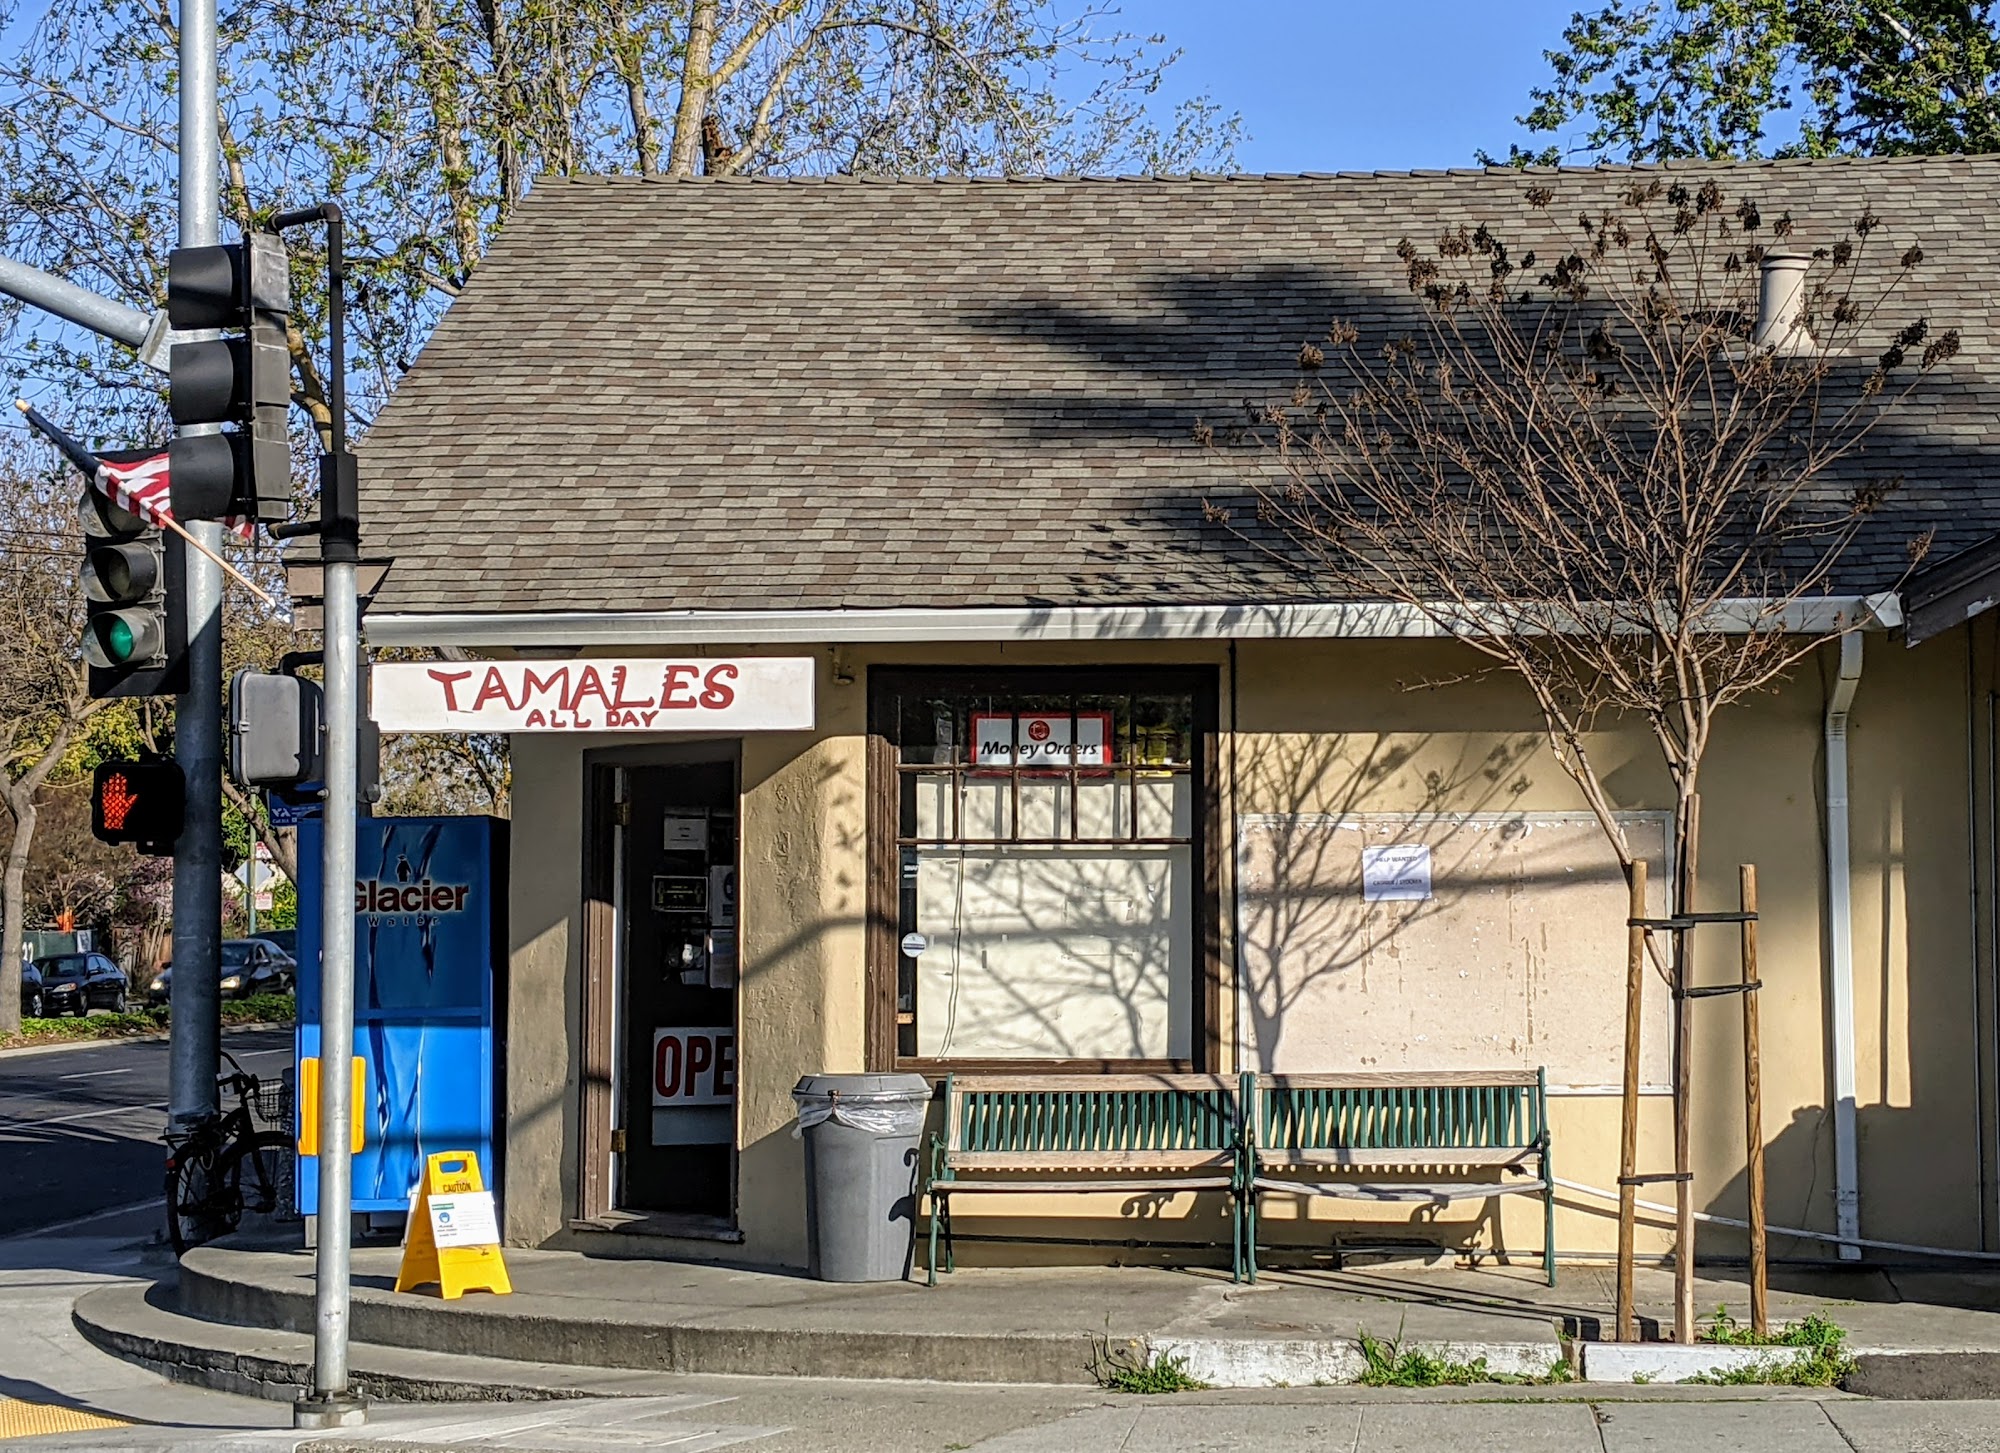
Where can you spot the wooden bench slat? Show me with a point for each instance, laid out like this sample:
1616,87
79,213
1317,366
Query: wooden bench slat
1364,1156
1398,1079
1149,1183
1392,1191
1091,1084
1091,1159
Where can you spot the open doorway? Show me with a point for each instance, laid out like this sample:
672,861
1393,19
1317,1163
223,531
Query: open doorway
664,1016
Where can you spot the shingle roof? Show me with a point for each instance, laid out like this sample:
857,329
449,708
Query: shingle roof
771,393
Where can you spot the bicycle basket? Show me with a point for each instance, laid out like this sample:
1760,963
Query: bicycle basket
272,1102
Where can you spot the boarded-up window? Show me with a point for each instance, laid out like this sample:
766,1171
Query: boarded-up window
1440,942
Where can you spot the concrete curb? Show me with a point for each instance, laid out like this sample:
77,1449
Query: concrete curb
28,1051
276,1366
495,1330
1672,1361
1278,1362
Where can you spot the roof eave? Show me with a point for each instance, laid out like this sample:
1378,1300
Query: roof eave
543,630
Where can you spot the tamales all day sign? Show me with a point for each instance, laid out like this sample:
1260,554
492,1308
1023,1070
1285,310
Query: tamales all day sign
646,694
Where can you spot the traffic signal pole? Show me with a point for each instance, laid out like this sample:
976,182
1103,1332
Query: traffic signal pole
330,1402
194,1050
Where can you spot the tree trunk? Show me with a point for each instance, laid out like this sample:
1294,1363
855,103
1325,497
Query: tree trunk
694,90
1687,832
282,844
20,798
14,906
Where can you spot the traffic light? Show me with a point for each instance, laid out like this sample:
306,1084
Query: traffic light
245,381
138,802
134,598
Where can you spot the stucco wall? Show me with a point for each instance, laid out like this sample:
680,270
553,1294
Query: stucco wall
1352,726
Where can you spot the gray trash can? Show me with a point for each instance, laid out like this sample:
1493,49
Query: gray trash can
861,1134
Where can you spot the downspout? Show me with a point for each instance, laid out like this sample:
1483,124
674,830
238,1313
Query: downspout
1840,950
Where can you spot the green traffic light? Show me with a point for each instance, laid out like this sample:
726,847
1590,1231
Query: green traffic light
116,640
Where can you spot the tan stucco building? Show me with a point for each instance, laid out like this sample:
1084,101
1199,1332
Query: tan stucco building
934,439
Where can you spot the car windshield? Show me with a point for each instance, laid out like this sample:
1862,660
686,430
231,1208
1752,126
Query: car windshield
235,955
71,966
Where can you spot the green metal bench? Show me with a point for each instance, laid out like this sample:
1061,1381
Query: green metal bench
1045,1133
1321,1135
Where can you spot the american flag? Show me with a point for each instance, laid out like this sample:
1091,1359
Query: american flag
142,486
138,485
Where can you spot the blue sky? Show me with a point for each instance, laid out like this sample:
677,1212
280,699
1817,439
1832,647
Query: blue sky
1330,85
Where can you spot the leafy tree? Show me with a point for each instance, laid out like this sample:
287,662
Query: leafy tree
428,123
1650,80
45,706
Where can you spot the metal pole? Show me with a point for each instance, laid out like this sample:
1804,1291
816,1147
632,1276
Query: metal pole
329,1403
79,305
196,1029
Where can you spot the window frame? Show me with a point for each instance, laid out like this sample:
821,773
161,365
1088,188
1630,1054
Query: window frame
1201,684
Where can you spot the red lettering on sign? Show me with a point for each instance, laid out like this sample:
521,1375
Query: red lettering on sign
718,693
618,674
494,685
448,680
588,683
667,1081
725,1065
701,1055
679,679
556,683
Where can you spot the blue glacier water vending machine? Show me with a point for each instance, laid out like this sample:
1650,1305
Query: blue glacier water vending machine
429,953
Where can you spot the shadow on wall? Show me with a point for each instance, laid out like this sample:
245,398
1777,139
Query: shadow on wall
1804,1149
1299,777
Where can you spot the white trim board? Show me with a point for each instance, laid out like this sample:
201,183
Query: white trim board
1266,620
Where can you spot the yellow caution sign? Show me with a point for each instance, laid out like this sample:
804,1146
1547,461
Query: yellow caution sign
454,1235
309,1104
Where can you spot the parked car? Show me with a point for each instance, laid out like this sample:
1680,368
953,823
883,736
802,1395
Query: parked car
285,938
257,966
79,983
31,992
249,966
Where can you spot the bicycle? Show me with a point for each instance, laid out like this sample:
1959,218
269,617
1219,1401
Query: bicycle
226,1167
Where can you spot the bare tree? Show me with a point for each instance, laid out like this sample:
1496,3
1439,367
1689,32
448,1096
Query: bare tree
1586,469
1605,473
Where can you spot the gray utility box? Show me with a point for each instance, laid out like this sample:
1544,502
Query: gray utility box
861,1134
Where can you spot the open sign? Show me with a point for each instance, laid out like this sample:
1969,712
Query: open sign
694,1067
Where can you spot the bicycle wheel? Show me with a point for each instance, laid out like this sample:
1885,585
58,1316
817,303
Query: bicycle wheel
203,1201
263,1179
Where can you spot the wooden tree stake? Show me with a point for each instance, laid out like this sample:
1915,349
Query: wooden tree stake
1753,1112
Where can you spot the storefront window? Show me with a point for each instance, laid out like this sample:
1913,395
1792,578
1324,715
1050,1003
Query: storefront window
1046,855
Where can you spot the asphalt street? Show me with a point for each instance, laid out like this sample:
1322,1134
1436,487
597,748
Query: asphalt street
80,1127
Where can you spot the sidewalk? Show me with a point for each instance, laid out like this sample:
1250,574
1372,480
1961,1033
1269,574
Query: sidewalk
239,1318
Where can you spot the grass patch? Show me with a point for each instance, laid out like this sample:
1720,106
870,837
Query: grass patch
1386,1362
1817,1346
1162,1373
259,1009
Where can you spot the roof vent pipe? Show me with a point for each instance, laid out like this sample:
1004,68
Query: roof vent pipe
1781,297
